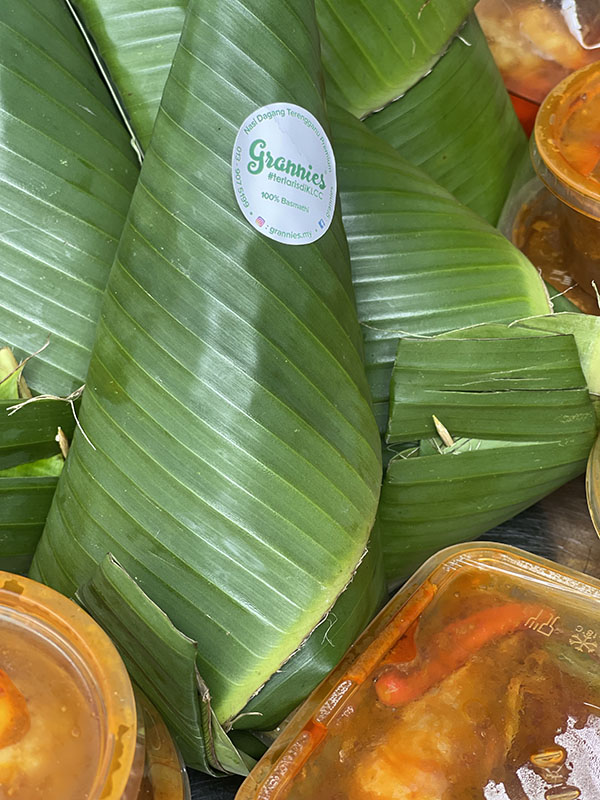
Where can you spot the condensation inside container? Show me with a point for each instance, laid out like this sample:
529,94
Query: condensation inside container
563,244
50,730
492,692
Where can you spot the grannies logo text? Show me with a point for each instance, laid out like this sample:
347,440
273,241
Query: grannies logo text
261,158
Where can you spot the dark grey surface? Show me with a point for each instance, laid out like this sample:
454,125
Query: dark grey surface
206,788
558,528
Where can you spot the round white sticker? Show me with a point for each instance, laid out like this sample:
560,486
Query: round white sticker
283,171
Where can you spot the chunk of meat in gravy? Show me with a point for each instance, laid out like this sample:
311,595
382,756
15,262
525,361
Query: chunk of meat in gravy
446,742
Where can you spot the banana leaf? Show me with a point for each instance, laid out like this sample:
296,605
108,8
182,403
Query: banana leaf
12,383
483,297
585,329
517,405
29,434
373,51
422,263
515,389
24,505
51,466
30,463
26,492
459,125
66,180
323,649
120,606
592,485
137,40
237,464
434,501
161,660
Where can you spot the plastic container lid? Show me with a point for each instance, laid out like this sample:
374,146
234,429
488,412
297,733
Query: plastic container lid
69,725
566,141
480,679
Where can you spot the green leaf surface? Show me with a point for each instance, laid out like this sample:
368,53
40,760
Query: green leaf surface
26,435
525,389
526,422
45,467
30,433
119,605
586,330
433,501
592,485
24,505
159,658
237,468
491,330
10,375
66,179
374,51
136,39
26,492
459,125
324,648
422,263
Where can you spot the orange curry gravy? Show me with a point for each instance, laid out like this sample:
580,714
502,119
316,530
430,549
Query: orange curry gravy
559,230
496,698
49,734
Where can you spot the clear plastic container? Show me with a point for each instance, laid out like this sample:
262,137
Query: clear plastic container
480,679
537,43
164,777
554,217
69,725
